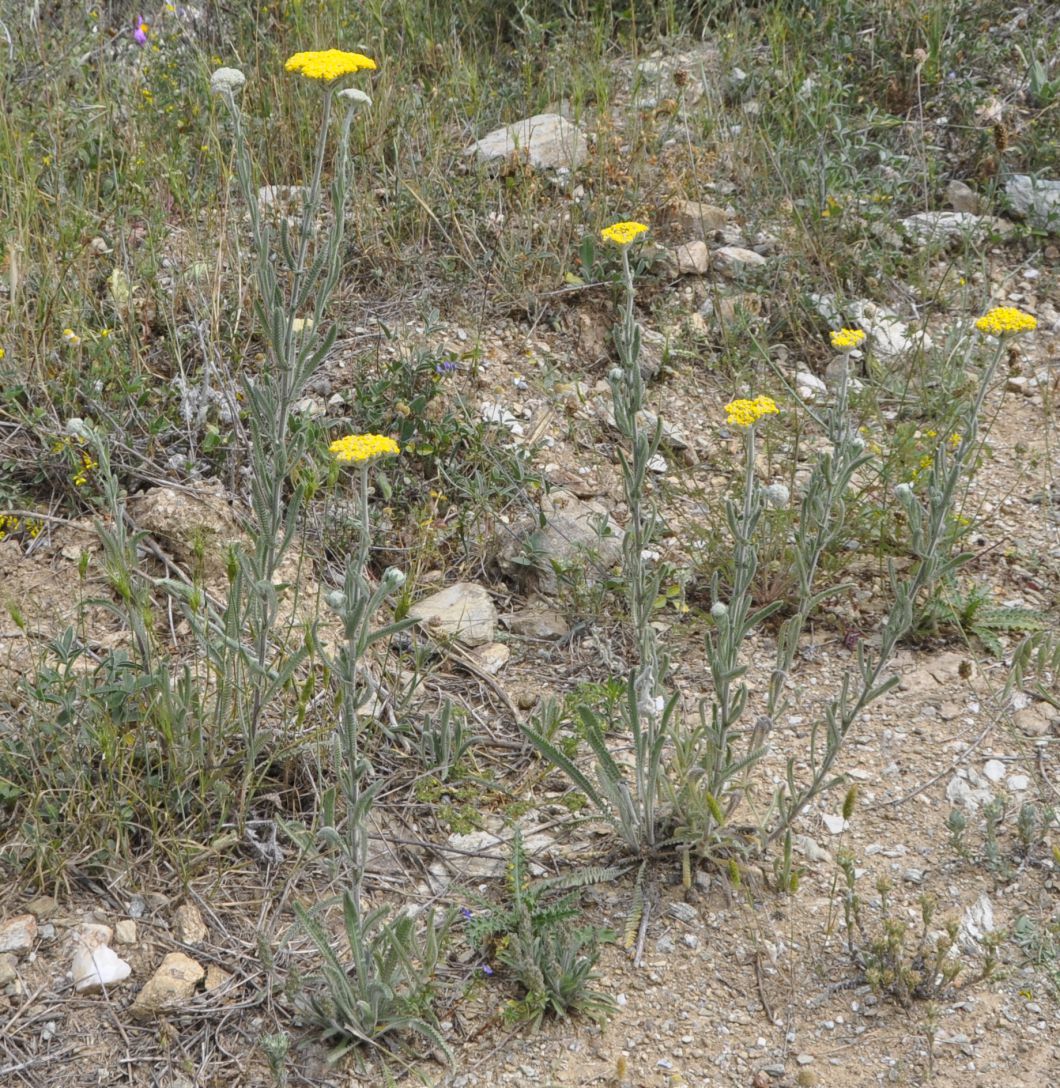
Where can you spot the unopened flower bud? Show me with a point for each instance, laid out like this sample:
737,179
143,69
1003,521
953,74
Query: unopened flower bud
616,374
336,601
393,579
719,611
355,98
227,81
776,495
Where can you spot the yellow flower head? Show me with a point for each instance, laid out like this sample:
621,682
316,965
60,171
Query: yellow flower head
362,447
846,339
71,337
745,413
1005,319
328,64
623,233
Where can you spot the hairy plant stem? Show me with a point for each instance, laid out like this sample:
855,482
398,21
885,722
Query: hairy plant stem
627,389
931,540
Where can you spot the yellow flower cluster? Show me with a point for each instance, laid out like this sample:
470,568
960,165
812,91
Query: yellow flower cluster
10,523
328,64
846,339
623,233
745,413
1005,319
71,338
88,464
362,447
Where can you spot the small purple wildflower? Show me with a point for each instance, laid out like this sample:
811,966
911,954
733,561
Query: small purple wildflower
487,970
140,31
447,366
466,912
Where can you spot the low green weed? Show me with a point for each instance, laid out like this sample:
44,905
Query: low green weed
533,938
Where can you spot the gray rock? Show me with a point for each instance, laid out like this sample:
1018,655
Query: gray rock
962,198
692,259
492,657
548,141
169,987
18,934
538,622
8,968
695,219
188,924
949,226
464,611
95,969
888,335
577,535
1032,721
732,260
1038,199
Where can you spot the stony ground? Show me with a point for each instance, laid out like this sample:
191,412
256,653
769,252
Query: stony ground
737,985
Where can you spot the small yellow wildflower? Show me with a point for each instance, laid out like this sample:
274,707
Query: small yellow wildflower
71,338
328,64
954,440
362,447
2,353
623,233
1005,319
846,339
88,464
745,413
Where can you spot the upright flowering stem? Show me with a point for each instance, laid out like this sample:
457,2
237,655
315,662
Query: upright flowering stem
646,710
288,281
931,541
356,605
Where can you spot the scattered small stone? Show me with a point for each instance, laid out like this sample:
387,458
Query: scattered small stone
664,945
683,912
732,260
1036,198
169,987
1018,782
538,622
188,924
465,611
810,849
577,534
8,968
546,140
216,977
948,226
994,769
913,876
695,219
804,1059
96,968
1032,721
835,824
125,931
43,907
976,923
18,934
962,198
492,657
692,259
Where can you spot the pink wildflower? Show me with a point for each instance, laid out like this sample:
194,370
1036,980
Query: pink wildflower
140,33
